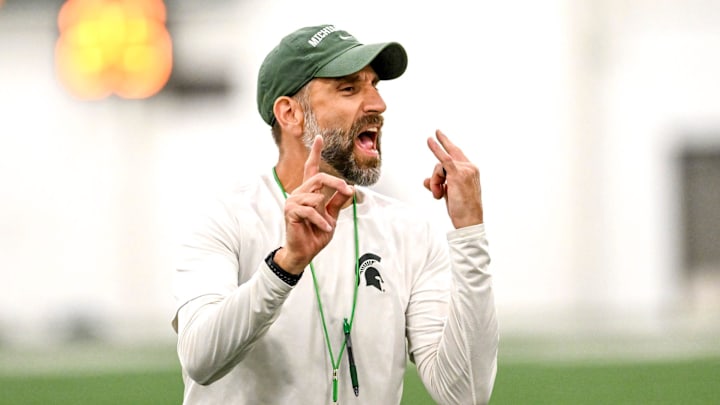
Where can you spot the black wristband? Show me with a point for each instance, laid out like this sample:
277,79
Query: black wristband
288,278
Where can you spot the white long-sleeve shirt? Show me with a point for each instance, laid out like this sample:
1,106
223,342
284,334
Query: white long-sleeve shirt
246,337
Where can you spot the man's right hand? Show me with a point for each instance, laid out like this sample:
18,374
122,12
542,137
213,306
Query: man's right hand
311,213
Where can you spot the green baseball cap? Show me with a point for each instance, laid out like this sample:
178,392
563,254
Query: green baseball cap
321,51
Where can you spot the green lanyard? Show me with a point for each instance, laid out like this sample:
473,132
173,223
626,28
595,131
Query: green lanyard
335,364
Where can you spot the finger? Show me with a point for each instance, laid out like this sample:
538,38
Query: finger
452,149
306,199
312,164
324,182
336,203
445,159
440,171
302,213
438,191
436,182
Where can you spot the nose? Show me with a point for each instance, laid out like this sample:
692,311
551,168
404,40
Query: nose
374,102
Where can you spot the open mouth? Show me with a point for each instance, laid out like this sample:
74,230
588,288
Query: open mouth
367,141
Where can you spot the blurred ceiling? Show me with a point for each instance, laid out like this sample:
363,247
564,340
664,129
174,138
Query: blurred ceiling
53,5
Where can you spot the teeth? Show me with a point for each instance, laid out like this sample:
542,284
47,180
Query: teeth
373,129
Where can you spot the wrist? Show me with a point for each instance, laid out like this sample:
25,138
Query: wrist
285,260
289,278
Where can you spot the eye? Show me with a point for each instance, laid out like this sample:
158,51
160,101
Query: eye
347,89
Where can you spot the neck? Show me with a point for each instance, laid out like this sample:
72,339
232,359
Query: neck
290,175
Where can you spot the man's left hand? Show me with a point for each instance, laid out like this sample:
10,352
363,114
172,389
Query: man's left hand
457,180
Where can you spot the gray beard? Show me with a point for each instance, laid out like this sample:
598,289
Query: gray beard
338,148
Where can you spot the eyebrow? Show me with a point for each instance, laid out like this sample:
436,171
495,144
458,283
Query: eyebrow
354,78
349,78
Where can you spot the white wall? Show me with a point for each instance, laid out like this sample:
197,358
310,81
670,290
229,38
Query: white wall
658,92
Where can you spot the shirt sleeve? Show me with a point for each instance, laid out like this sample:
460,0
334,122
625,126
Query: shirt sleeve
217,320
452,325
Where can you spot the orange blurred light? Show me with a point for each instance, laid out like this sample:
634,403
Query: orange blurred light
107,47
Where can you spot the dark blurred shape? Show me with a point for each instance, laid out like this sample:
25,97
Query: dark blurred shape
185,83
21,5
700,176
202,64
77,325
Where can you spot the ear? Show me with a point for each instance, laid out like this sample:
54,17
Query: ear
289,115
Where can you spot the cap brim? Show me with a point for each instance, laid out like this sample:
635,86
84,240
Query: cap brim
389,61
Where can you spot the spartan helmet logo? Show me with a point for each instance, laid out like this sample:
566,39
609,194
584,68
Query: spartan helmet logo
369,264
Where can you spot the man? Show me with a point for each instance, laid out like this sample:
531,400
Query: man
255,328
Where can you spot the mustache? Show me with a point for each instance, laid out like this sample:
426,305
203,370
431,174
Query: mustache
366,121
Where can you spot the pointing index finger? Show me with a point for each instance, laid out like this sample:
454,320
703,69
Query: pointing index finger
312,164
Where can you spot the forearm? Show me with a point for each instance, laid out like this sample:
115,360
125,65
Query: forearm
464,363
215,332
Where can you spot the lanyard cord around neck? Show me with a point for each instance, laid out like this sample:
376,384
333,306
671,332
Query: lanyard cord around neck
335,364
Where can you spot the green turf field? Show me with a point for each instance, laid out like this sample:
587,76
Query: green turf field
667,382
